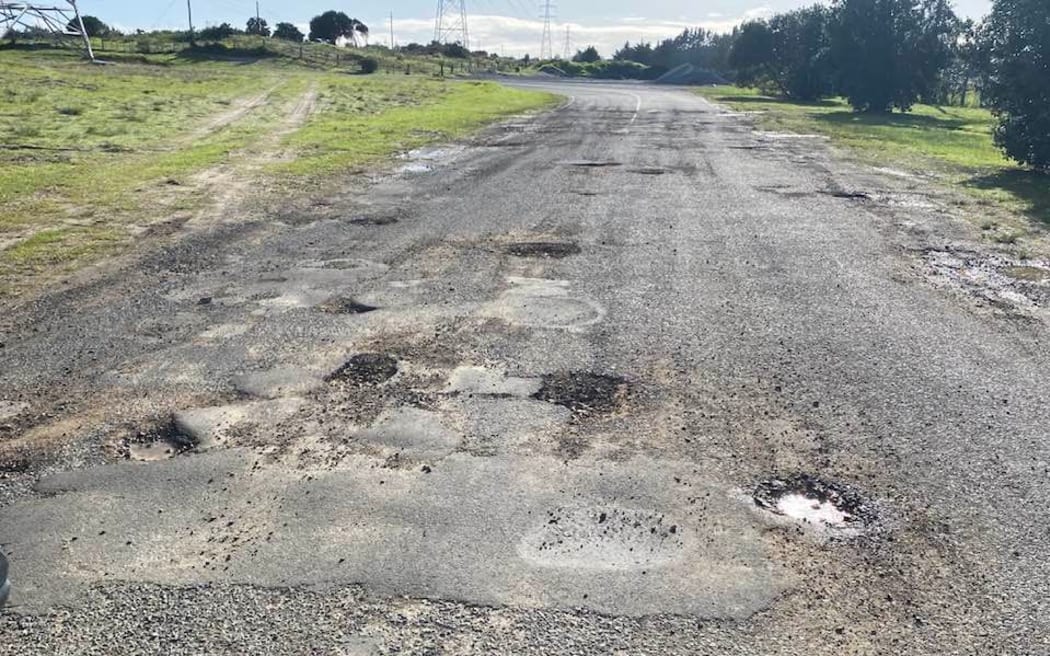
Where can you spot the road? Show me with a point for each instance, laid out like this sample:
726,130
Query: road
519,396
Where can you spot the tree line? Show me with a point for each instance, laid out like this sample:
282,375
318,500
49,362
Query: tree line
885,55
328,27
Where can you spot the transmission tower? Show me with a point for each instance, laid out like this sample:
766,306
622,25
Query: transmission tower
59,19
568,43
450,25
546,43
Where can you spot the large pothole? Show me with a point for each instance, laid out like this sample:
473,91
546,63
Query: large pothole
366,369
603,538
163,440
813,501
345,305
555,249
583,392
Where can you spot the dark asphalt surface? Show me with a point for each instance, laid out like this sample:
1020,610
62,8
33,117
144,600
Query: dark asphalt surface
564,460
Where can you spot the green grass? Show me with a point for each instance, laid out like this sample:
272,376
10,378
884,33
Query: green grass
374,117
89,152
953,142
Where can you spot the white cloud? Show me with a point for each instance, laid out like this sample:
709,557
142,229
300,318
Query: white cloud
516,36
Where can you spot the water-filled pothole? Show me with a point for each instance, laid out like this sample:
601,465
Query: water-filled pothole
603,537
811,500
161,441
583,392
556,249
345,305
366,368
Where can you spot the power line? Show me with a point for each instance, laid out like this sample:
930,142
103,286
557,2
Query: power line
450,23
546,44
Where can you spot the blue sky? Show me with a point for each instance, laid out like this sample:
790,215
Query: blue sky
511,25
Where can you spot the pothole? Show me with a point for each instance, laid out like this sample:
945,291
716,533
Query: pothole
555,249
159,442
809,500
649,171
583,392
846,194
603,537
372,219
1027,273
366,369
1003,281
591,164
345,305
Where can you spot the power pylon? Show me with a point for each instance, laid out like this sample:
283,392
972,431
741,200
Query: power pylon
568,44
450,24
60,19
546,44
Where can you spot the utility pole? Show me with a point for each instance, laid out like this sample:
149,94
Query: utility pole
391,30
189,15
546,46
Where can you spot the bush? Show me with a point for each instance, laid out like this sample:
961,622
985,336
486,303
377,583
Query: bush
369,65
1018,89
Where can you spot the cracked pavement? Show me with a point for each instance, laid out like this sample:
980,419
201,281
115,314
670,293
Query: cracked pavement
516,398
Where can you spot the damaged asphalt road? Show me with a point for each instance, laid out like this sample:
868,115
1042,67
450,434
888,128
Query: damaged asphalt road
627,377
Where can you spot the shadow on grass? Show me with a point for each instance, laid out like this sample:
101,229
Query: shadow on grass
894,120
222,52
1030,187
766,100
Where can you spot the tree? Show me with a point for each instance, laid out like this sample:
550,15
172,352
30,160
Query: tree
93,26
288,32
258,27
588,55
330,26
801,65
1018,89
218,32
890,53
752,54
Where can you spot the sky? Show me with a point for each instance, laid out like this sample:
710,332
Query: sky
513,27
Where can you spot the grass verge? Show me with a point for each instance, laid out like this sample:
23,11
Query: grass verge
92,154
953,142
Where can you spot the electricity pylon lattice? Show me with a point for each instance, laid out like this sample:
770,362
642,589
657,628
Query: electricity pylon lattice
58,19
568,44
450,24
546,42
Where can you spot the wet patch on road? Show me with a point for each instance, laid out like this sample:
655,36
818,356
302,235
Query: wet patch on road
345,305
366,369
649,171
810,500
554,249
1011,284
583,392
